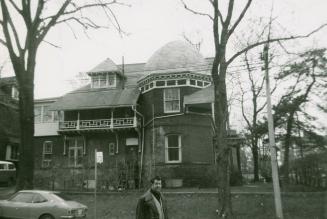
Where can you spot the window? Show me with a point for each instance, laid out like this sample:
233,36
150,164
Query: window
37,114
173,149
170,83
47,153
181,82
14,93
39,199
103,80
160,83
75,151
171,100
23,197
12,152
42,114
47,115
112,149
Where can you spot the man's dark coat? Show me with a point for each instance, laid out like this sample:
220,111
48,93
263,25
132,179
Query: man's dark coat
146,207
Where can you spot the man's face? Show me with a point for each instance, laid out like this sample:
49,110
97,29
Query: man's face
156,186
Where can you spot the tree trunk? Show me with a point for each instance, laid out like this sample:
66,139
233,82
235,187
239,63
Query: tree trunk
222,150
255,162
287,147
26,148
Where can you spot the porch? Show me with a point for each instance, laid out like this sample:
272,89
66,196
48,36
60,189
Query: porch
96,124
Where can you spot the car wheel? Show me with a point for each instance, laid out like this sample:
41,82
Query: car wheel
47,216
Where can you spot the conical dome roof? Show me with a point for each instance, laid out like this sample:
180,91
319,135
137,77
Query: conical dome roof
174,56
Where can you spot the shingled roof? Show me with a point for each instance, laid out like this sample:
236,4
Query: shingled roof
95,99
175,56
106,66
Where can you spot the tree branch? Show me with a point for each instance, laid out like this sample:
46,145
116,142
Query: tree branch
86,24
240,17
3,42
196,12
77,9
52,44
16,7
44,30
5,24
229,13
273,40
118,28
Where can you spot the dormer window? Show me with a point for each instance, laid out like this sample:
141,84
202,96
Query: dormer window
104,80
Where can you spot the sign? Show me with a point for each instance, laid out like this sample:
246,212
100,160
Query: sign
99,157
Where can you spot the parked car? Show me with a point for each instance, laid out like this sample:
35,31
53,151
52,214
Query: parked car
37,204
7,173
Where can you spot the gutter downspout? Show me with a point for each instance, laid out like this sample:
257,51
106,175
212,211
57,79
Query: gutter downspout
142,145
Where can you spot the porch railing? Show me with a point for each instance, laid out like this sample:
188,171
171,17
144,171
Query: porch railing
98,124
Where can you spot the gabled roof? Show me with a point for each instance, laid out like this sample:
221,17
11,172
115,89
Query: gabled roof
95,99
205,95
106,66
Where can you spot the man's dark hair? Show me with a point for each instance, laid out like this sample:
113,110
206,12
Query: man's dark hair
155,178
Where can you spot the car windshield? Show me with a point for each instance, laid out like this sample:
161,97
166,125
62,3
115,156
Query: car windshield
62,196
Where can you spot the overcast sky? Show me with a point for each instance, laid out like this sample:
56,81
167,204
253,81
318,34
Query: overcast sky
150,24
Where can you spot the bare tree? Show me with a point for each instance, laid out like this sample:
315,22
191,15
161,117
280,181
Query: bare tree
255,93
37,18
223,28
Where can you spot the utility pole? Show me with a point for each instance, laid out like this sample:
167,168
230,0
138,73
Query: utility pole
272,144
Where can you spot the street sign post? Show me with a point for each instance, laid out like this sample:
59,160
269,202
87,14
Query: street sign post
98,158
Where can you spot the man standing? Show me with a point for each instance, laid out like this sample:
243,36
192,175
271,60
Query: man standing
152,204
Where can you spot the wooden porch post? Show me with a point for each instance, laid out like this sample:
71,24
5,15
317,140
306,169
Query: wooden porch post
135,120
112,119
77,125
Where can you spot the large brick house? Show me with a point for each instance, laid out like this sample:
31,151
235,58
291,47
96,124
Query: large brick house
147,119
9,119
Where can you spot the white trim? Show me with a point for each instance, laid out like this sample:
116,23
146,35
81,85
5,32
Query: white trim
175,86
179,149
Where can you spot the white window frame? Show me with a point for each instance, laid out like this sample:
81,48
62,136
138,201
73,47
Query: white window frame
179,100
179,149
46,162
95,81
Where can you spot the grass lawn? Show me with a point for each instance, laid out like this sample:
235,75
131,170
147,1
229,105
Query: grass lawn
249,202
202,204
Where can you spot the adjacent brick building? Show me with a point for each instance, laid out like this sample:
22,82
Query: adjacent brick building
147,119
9,120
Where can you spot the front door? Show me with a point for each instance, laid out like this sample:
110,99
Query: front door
132,166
